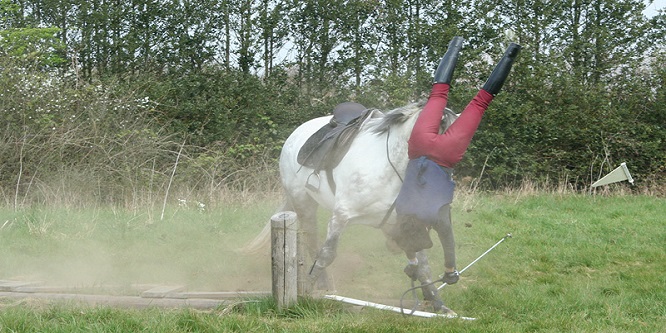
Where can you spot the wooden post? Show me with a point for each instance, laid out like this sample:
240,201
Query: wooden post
301,255
284,231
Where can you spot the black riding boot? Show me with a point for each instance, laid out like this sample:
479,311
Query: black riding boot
501,71
444,72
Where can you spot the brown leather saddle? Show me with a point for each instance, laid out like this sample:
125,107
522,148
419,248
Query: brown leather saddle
325,148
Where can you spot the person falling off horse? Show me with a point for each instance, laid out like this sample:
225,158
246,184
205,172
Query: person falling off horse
427,192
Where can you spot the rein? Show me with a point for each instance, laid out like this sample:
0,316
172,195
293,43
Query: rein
441,279
415,296
388,157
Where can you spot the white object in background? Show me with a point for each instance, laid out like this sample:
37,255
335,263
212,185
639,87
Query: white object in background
619,174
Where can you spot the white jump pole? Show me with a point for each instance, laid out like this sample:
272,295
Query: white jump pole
392,308
284,238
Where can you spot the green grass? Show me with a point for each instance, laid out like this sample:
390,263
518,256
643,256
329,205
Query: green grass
576,263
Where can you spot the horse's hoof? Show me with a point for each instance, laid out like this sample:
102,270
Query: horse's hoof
448,312
324,283
438,305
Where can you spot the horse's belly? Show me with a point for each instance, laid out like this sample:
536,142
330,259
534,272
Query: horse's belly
368,184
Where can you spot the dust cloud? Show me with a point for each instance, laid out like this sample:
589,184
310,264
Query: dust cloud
199,256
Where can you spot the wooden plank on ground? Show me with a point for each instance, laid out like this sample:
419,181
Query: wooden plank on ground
10,285
220,294
44,289
118,301
161,291
80,289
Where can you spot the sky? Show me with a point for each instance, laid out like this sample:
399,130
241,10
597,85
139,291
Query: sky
652,9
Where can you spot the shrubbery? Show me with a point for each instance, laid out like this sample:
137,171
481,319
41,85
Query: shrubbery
110,103
117,140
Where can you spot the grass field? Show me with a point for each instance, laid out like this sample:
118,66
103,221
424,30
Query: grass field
576,263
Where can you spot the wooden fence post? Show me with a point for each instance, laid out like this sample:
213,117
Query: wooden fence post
284,244
301,256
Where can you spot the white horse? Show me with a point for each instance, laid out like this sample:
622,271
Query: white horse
361,185
366,183
361,189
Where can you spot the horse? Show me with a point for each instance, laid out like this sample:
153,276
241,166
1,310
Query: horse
360,189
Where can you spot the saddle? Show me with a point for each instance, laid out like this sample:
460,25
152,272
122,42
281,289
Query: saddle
325,148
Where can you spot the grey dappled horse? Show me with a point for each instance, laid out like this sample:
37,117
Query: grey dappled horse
360,189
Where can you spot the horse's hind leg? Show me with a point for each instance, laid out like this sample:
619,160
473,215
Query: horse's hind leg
328,252
306,209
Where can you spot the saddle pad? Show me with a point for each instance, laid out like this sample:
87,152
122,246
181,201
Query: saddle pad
328,145
309,154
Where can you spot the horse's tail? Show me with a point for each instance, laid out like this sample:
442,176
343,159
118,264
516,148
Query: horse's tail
262,240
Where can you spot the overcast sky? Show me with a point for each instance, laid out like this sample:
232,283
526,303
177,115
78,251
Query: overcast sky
652,9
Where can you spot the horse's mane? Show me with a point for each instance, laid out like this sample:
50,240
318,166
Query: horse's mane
380,123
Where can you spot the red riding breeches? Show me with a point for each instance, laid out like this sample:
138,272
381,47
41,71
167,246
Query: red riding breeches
448,148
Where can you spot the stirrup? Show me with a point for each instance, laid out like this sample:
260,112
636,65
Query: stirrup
309,185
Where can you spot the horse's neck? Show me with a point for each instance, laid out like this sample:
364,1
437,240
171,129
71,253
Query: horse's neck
400,132
398,147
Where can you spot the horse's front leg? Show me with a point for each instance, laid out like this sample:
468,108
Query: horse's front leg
424,275
328,252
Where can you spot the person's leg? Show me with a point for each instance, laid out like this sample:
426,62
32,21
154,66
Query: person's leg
448,148
447,65
444,229
427,125
452,144
496,79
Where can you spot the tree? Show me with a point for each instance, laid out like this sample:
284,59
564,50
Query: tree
28,45
244,36
597,36
392,37
273,25
358,38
